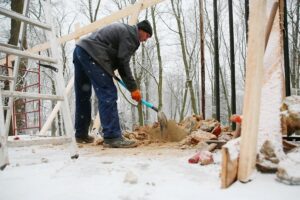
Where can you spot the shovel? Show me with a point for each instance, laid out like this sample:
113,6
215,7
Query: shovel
161,117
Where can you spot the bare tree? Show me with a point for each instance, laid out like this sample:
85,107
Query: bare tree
293,18
177,12
90,9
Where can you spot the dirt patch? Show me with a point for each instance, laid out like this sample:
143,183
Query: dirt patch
172,133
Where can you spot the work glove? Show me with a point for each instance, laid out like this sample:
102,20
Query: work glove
136,95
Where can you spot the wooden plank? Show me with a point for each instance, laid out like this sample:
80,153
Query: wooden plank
56,108
31,95
3,138
15,70
18,16
60,83
93,26
39,141
5,107
3,78
252,98
26,54
134,17
273,90
270,22
9,45
229,169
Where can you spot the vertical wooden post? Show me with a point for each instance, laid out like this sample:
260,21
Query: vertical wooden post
56,108
254,75
202,59
3,138
270,22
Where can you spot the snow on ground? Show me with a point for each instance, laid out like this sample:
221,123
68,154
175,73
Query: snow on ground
157,172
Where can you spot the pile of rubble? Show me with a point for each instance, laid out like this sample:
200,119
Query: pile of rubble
190,132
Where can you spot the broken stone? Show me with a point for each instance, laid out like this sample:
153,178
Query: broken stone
225,136
267,161
98,141
206,158
44,160
290,115
203,157
191,123
288,146
131,178
208,125
288,169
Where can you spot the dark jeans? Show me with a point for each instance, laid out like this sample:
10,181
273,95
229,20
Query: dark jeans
88,73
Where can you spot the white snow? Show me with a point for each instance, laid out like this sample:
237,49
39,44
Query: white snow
47,172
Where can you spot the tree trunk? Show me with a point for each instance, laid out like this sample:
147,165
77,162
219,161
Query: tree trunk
232,62
133,117
217,64
183,103
224,85
286,51
177,14
17,6
138,82
295,48
160,67
202,59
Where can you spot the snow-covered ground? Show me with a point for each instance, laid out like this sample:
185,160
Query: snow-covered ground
151,172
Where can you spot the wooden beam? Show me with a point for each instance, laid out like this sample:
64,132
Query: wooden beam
134,17
31,95
26,54
3,138
9,46
3,78
229,169
252,98
56,108
94,26
39,141
20,17
270,22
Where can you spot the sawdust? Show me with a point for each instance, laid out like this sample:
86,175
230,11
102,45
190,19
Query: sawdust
172,133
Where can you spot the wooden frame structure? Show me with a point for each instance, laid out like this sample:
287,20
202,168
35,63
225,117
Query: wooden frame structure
12,93
264,66
132,10
231,170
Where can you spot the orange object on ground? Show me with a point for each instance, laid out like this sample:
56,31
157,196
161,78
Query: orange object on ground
217,130
195,159
236,118
16,138
204,157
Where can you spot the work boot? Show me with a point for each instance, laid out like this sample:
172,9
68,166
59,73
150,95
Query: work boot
85,140
119,143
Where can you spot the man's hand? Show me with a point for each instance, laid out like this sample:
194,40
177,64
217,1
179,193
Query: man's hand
136,95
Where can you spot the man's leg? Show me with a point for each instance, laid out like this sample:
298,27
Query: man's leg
82,87
106,93
108,109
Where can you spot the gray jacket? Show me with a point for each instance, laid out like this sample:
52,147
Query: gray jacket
112,47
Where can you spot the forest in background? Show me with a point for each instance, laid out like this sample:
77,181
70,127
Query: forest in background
167,68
